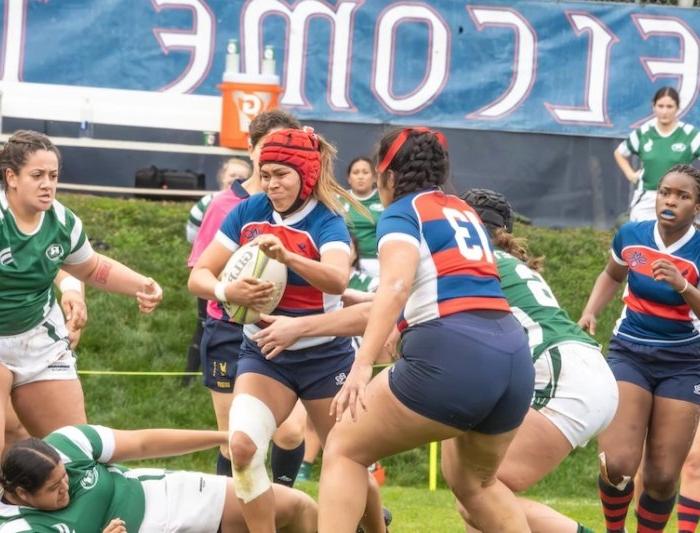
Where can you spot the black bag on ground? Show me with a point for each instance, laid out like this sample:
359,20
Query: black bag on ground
164,178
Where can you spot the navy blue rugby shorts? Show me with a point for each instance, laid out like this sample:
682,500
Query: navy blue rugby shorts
470,370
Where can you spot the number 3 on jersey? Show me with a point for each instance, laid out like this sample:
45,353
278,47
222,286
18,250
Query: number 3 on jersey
462,222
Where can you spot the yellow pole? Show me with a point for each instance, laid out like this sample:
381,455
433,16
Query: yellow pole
432,466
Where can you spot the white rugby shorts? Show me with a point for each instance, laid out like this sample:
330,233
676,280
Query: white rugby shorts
585,395
182,502
40,354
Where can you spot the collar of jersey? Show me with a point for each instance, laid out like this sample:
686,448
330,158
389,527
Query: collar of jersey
363,198
655,123
674,246
239,190
295,217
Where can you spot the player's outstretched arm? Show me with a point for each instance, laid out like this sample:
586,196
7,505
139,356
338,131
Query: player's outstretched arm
603,292
112,276
284,331
154,443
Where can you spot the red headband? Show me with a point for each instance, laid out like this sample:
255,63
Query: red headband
297,149
401,139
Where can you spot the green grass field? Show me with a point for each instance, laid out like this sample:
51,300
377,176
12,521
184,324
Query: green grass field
149,237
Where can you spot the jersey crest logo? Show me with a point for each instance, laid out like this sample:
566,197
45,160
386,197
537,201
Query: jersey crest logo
248,234
54,252
636,259
90,479
678,147
648,145
6,256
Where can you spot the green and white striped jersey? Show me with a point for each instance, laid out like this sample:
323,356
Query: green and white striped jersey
536,308
98,492
29,263
658,153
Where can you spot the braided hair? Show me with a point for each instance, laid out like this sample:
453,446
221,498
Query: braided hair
689,171
419,164
27,465
20,146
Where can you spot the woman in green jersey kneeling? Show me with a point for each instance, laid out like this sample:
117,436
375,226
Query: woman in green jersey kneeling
68,483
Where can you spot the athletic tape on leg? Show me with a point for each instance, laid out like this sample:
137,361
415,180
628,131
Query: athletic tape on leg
251,416
622,485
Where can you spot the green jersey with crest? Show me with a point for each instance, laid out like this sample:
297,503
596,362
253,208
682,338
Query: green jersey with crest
364,230
535,307
98,492
658,152
29,263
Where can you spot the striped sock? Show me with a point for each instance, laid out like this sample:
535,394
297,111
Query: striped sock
652,514
688,514
615,504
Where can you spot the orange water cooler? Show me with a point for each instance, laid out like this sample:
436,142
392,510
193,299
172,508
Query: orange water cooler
244,97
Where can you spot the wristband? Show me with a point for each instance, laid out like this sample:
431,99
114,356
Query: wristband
220,291
69,283
685,287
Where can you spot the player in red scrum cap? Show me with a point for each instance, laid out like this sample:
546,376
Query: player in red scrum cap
297,221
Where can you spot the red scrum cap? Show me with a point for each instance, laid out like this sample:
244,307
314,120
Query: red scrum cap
298,149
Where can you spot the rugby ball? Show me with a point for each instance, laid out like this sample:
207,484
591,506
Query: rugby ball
250,262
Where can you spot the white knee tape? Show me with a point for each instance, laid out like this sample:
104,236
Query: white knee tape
251,416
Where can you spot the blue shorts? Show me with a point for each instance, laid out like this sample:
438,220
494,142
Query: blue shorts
471,371
667,372
219,351
319,373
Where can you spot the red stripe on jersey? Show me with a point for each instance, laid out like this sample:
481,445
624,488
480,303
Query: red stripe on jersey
301,297
430,206
293,240
451,262
472,303
640,258
671,312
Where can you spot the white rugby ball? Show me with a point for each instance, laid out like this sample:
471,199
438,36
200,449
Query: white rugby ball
250,262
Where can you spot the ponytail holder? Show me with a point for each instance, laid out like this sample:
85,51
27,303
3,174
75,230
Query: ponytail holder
401,139
685,287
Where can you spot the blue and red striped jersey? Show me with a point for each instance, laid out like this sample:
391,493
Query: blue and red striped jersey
309,233
654,313
457,270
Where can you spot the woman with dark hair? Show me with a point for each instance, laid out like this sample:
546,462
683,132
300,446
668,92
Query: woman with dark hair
654,353
39,236
362,180
297,221
67,483
465,376
659,144
221,340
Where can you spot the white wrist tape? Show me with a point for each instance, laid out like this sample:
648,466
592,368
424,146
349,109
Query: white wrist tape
220,291
70,283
